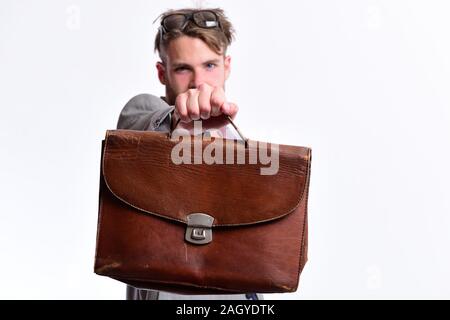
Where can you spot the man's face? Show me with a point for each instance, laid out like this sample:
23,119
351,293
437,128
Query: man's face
189,63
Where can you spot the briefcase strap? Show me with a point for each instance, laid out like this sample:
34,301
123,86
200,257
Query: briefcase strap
227,117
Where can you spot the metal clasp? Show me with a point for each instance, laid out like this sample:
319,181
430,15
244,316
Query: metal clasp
198,229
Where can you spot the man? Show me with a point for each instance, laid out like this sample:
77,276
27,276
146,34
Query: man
192,45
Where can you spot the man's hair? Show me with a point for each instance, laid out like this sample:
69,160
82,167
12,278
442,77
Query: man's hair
217,39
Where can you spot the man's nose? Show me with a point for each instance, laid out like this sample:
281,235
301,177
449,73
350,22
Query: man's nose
197,80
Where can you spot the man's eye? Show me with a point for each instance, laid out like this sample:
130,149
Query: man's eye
180,69
210,66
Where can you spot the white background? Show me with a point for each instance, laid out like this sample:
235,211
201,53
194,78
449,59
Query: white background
365,84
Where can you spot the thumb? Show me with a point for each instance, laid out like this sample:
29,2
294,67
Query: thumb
230,109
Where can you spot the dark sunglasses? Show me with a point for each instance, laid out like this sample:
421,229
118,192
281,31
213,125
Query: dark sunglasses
178,21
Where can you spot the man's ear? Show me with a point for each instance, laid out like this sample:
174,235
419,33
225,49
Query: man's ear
161,72
227,66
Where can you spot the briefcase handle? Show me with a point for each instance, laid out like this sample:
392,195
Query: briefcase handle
229,119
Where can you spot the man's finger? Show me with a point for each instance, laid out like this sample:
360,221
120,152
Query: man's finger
204,100
230,109
192,104
180,107
217,100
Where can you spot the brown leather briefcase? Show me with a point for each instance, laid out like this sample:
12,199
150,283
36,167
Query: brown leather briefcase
200,228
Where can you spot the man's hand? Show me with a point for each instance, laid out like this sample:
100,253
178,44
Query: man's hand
202,103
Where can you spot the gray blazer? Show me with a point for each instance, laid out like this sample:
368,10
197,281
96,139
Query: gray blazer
148,112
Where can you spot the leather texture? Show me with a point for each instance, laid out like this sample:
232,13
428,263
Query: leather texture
259,234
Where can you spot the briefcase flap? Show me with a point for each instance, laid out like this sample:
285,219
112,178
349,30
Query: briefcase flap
138,169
